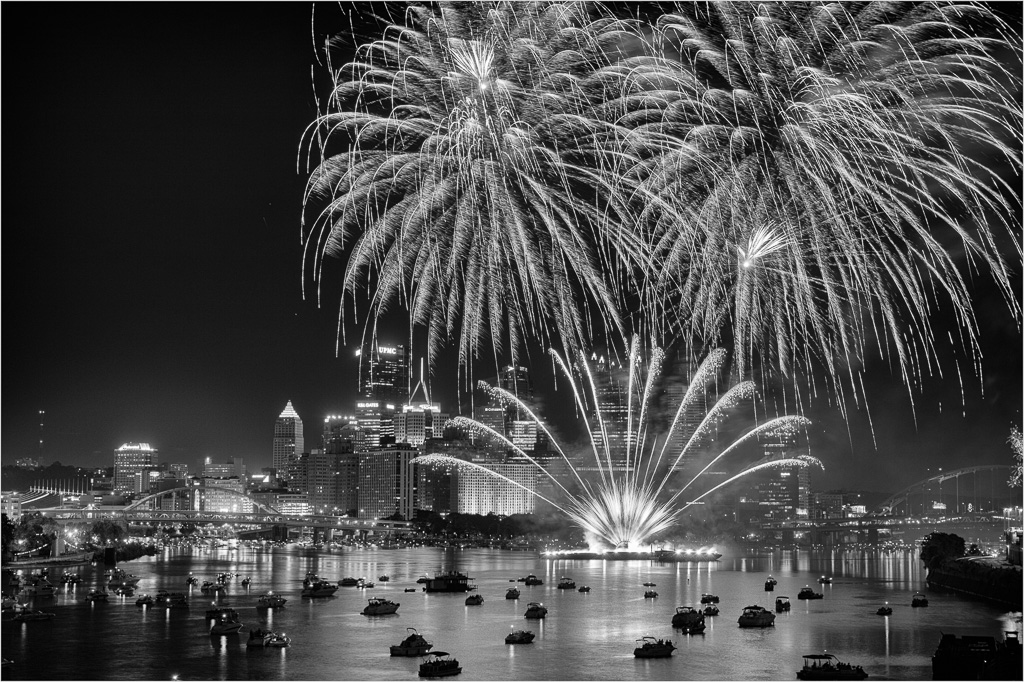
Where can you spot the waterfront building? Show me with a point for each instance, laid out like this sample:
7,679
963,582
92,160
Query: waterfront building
477,492
129,460
288,437
231,500
387,482
417,423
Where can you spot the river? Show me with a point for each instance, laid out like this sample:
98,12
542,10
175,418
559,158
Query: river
585,636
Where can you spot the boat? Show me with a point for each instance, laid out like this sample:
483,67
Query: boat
566,584
70,578
711,610
368,585
650,584
756,617
171,600
96,595
410,589
512,593
709,598
782,604
220,611
413,645
450,581
380,607
145,600
227,623
124,591
38,586
246,581
439,664
192,580
532,580
535,610
977,658
650,594
31,614
584,588
267,638
211,587
689,620
884,610
348,582
270,601
422,580
474,600
119,577
828,667
769,585
649,647
319,588
383,578
919,600
823,580
519,637
808,593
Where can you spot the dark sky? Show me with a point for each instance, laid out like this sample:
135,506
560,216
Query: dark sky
152,254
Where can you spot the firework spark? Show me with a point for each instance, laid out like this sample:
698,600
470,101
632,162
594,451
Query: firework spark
632,498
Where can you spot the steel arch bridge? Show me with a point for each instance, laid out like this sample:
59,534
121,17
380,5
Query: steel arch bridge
903,497
144,503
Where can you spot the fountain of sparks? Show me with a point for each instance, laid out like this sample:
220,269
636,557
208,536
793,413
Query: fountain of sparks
631,501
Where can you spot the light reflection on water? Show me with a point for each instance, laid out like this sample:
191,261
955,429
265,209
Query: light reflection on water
585,635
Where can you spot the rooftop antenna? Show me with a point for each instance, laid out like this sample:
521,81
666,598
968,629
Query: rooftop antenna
420,384
42,415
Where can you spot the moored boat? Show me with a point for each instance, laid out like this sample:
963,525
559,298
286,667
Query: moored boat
519,637
649,647
439,664
413,645
689,620
380,607
828,667
756,617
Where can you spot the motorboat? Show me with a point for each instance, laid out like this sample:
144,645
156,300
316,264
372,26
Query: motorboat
97,595
319,588
348,582
209,587
919,600
383,578
649,647
808,593
192,580
246,581
270,601
120,577
584,588
422,580
474,600
413,645
227,623
380,607
145,600
267,638
31,614
828,667
439,664
711,610
756,617
782,604
512,593
566,584
410,589
171,600
450,581
531,580
824,580
124,591
769,585
216,613
650,584
38,586
535,610
650,594
310,578
519,637
70,578
884,610
709,599
689,620
368,585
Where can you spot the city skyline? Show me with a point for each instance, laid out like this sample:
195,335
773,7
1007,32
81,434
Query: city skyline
158,300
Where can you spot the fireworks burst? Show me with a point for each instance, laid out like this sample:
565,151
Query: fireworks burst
632,498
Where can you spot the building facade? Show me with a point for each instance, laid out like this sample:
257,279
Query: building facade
288,437
129,460
387,482
478,492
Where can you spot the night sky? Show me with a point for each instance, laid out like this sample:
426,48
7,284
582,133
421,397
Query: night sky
152,256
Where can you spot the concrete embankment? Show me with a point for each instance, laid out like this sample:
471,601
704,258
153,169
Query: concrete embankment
987,578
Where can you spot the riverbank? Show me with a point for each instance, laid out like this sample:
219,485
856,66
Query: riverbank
990,578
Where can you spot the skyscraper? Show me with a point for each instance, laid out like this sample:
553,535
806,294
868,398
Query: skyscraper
384,373
288,438
129,460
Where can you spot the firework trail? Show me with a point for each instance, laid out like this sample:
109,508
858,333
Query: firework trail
633,498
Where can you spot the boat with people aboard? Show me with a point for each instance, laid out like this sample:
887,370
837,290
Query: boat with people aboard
378,606
449,581
807,593
267,638
413,645
474,600
531,580
650,647
383,578
219,611
711,610
919,600
191,580
584,588
769,585
519,637
512,593
319,588
209,587
650,594
69,578
884,610
246,581
709,598
535,610
689,620
439,664
226,623
566,584
824,580
348,582
145,600
31,614
756,617
782,604
97,595
828,667
270,601
171,600
119,577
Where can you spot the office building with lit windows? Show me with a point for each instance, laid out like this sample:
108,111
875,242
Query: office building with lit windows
129,461
387,482
288,437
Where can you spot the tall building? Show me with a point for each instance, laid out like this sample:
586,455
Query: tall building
477,492
129,460
384,373
288,437
387,482
341,436
322,481
611,385
415,424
